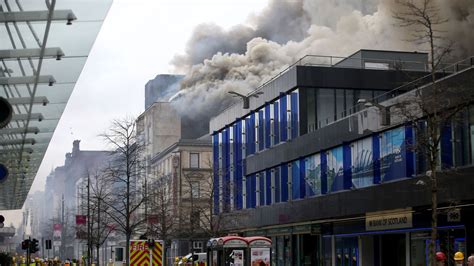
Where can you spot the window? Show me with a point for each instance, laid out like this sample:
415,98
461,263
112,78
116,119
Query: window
195,188
194,160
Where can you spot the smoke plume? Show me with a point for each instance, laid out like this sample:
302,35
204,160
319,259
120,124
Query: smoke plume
217,61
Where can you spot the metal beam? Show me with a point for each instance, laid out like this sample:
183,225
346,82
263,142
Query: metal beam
27,80
34,116
19,130
26,100
54,52
30,16
4,142
28,150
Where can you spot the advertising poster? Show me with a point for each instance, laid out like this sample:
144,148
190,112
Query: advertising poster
362,162
335,170
313,175
392,151
238,257
260,257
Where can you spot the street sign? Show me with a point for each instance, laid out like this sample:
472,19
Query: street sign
142,255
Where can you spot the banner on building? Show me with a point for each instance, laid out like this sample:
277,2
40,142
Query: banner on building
396,219
142,255
81,219
57,229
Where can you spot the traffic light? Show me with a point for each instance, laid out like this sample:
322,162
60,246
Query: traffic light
25,244
34,246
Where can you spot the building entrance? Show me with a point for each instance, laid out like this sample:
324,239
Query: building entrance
393,249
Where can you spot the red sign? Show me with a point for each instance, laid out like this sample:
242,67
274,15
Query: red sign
57,227
81,219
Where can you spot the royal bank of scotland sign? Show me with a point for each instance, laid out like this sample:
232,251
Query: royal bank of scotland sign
395,219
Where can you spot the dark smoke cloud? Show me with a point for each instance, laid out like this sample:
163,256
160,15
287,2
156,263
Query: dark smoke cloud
243,57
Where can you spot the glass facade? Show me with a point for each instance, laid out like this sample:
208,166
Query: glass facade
382,157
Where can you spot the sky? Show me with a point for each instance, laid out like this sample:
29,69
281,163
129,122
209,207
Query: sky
137,41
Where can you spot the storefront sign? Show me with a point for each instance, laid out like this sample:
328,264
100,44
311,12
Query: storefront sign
388,220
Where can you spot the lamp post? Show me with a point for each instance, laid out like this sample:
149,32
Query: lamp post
384,110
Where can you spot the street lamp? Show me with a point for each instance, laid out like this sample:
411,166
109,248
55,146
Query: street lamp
245,98
384,110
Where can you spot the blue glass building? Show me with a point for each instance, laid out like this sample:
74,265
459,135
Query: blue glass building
312,167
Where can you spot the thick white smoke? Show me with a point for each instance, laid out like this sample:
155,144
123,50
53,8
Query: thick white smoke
242,58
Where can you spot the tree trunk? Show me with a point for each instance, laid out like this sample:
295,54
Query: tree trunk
97,258
434,217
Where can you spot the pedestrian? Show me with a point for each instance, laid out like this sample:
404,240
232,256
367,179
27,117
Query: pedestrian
459,258
470,260
440,258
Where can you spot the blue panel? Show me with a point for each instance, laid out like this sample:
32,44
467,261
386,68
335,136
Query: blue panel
215,183
302,177
347,165
284,182
252,134
253,191
276,124
324,173
261,127
268,140
410,155
238,165
446,147
393,154
268,187
277,182
283,118
295,180
261,185
226,170
248,136
335,169
376,157
294,115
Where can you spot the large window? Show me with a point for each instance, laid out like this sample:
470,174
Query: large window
195,189
193,160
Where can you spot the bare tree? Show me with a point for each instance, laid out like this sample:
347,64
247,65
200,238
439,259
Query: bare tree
125,174
430,109
99,221
161,220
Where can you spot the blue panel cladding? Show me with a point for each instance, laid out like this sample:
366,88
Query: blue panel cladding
252,134
277,182
283,118
215,183
261,185
347,165
295,180
248,130
253,191
261,127
276,124
268,137
268,187
284,182
302,176
410,154
238,165
446,147
376,157
324,173
294,115
335,164
226,170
